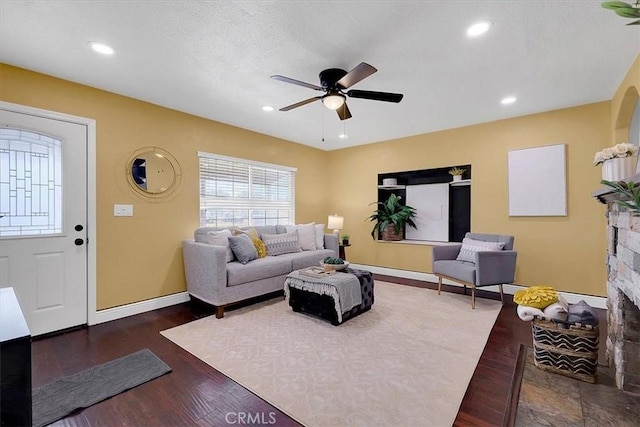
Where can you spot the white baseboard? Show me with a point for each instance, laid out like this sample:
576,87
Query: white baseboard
119,312
572,298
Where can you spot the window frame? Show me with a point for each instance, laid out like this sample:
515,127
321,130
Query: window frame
250,203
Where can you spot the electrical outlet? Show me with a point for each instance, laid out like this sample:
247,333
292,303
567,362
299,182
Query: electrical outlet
122,210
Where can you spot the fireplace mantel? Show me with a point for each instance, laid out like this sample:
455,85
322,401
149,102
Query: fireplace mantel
606,194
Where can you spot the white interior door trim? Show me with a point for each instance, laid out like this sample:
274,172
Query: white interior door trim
91,193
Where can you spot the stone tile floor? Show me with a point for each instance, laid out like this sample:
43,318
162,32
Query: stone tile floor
548,399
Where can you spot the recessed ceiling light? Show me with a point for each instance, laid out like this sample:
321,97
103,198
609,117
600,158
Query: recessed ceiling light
478,28
343,136
102,48
267,108
508,100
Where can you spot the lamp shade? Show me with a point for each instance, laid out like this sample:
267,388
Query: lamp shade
333,101
335,222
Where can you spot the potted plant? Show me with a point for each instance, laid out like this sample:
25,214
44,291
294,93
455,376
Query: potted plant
345,239
457,173
390,218
629,193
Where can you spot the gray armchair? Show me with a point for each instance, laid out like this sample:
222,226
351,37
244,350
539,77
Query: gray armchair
489,267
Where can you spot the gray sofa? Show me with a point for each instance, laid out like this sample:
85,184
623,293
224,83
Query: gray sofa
210,278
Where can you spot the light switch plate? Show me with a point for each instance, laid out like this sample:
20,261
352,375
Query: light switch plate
122,210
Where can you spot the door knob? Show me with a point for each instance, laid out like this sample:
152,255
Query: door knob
78,227
78,242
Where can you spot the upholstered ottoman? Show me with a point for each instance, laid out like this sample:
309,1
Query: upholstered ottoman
324,306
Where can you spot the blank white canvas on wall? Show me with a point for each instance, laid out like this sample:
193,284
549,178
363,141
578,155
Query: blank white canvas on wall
537,181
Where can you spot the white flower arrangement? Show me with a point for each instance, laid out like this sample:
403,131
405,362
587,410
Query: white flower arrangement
623,149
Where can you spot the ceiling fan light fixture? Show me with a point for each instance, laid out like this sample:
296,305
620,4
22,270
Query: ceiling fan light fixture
479,28
333,101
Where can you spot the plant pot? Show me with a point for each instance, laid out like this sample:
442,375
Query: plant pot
457,177
619,168
390,233
345,243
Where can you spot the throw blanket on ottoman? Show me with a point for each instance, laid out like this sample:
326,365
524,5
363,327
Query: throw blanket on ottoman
344,288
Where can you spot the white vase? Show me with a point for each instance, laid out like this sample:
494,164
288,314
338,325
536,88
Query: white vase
457,177
619,168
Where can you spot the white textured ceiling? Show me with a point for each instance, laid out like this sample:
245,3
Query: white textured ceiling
214,58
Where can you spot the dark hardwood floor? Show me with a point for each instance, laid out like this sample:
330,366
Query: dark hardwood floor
196,394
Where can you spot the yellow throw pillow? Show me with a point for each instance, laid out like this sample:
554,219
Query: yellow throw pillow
261,248
536,296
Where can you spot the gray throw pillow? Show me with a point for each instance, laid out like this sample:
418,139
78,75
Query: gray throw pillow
243,248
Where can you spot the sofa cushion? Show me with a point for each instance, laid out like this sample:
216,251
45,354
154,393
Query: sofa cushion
221,238
471,246
261,268
278,244
306,259
243,248
461,270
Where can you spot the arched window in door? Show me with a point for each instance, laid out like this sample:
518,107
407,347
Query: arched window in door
30,183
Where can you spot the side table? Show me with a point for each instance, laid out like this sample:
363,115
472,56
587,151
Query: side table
341,251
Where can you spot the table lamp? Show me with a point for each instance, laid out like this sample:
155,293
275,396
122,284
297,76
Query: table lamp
336,222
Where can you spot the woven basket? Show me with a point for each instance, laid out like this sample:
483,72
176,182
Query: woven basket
572,352
391,234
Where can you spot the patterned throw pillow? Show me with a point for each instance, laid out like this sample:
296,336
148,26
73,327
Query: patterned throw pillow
243,248
471,246
279,244
261,248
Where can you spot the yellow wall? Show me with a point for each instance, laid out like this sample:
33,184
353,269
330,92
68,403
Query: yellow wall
140,257
565,252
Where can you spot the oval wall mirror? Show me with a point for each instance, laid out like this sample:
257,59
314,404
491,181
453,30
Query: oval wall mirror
153,172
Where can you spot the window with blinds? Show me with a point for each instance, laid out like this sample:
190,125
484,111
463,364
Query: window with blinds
238,192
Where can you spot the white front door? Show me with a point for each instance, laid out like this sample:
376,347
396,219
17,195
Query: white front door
43,224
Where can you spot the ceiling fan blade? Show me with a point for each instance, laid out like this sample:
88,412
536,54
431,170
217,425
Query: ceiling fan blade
376,96
296,82
300,104
360,72
343,112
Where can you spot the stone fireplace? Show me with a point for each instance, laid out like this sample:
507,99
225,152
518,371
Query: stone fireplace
623,295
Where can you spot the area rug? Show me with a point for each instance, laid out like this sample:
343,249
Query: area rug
59,398
407,361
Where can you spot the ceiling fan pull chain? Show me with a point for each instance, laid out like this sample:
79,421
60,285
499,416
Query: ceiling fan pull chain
323,125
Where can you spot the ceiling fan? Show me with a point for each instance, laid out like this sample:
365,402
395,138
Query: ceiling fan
625,10
334,82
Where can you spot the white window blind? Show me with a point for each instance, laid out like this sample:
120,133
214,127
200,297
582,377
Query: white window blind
238,192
